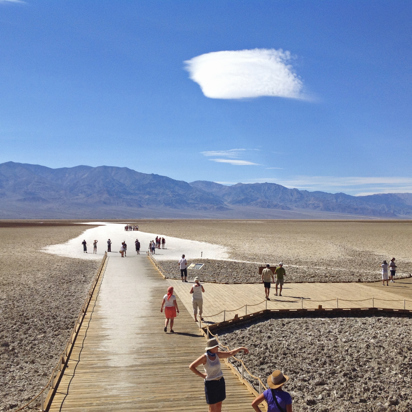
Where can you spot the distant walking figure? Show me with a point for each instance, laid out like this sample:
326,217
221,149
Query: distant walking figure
121,251
280,278
267,278
197,291
183,268
170,304
125,248
84,246
95,246
385,277
215,387
277,399
163,242
109,245
137,243
392,269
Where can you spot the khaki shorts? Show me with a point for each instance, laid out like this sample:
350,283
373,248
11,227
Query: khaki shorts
279,282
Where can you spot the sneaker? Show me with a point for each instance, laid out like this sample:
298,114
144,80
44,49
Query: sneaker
268,298
276,294
172,331
185,280
201,319
280,294
165,329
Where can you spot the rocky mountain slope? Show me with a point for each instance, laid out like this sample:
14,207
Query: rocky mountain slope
33,191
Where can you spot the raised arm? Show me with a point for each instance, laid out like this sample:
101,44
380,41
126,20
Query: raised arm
233,352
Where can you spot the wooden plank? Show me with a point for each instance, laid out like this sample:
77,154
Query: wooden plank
123,360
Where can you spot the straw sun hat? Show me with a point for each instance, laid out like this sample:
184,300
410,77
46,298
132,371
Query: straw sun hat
197,279
212,343
277,379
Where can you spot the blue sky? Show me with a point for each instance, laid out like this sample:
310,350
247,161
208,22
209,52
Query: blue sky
315,95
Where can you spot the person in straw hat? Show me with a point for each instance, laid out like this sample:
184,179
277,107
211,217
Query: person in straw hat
277,399
215,388
197,299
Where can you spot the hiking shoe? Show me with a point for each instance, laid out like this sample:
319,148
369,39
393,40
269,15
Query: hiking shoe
165,329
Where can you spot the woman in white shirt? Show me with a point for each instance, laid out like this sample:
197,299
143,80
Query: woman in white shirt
215,388
170,304
385,277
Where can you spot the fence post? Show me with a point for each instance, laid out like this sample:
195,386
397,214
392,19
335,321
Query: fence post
404,304
224,315
245,309
260,387
337,303
302,302
373,302
242,373
266,304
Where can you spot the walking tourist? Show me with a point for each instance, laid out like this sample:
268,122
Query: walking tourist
197,291
95,246
392,269
277,399
109,245
267,278
215,388
183,268
121,251
163,242
170,304
84,243
280,278
385,277
137,244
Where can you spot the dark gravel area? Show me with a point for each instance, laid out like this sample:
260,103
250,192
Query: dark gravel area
334,364
224,271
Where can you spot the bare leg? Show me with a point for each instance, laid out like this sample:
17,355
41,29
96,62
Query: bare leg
172,321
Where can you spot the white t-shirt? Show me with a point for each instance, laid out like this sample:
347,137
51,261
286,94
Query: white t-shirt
171,302
183,263
384,268
197,291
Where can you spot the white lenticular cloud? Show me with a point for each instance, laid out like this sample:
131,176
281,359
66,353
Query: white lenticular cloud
235,162
245,74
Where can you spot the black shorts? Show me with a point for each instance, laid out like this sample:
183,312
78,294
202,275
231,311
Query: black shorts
267,285
215,391
183,272
393,272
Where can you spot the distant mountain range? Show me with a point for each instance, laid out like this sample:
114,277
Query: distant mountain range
104,192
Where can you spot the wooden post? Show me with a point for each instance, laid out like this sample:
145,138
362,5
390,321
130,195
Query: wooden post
302,302
245,309
337,303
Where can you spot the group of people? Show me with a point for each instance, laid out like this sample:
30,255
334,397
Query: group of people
392,269
155,244
215,387
84,243
128,228
268,278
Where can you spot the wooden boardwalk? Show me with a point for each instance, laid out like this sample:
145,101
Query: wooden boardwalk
122,359
233,298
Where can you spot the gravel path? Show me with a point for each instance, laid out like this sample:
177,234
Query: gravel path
224,271
334,364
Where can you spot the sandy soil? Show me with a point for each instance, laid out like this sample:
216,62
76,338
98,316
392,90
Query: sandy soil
312,251
40,298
